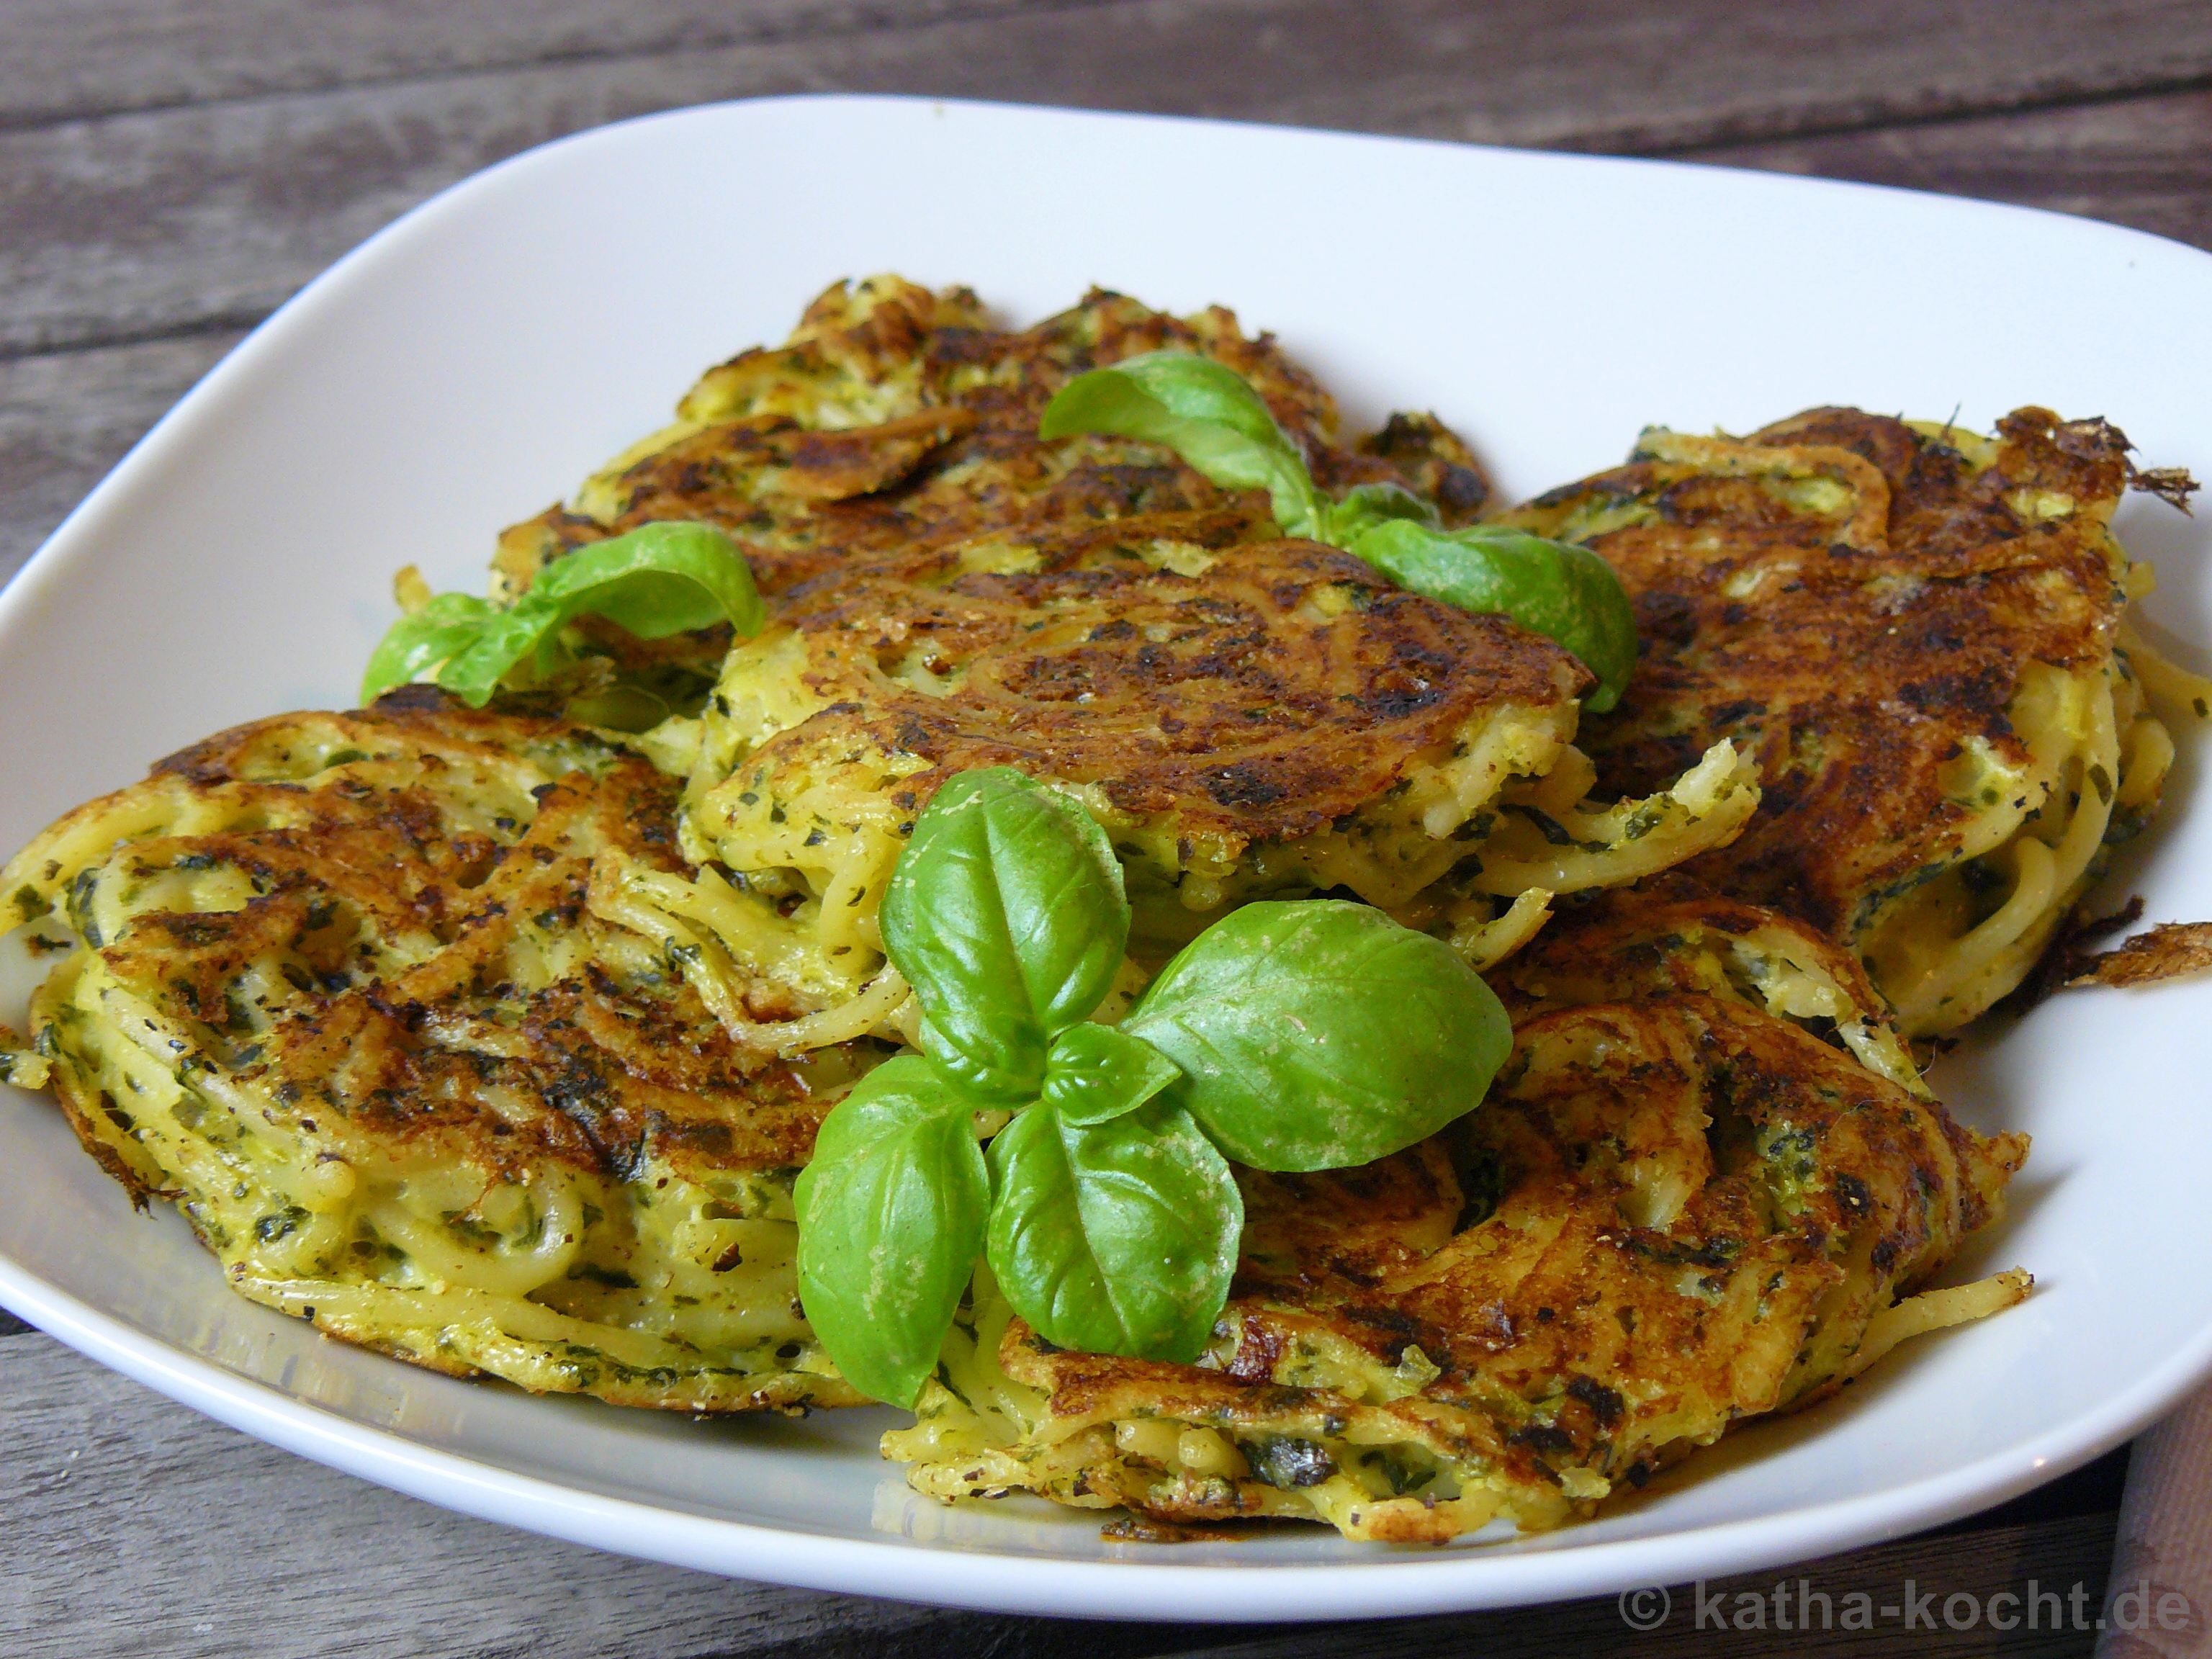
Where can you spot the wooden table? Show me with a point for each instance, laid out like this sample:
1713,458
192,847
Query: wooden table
172,169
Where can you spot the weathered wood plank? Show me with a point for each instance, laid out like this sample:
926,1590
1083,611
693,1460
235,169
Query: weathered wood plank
67,59
137,1527
2142,161
65,418
61,59
138,225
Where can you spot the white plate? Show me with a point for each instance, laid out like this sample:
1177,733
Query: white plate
473,361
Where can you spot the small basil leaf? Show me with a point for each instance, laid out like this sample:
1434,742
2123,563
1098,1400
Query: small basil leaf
447,625
1365,505
1005,914
1320,1035
1564,591
891,1217
525,631
1116,1237
1204,411
1094,1072
655,580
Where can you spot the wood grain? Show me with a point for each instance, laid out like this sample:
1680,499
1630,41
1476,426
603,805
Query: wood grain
65,58
2143,162
133,226
1423,59
2058,1554
67,417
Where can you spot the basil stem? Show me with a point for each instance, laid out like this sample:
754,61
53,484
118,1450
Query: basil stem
1005,914
1317,1034
655,580
1115,1237
891,1215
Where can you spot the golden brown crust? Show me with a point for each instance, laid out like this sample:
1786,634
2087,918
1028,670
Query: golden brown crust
395,905
897,419
1851,599
339,993
1281,688
1432,460
2169,951
1671,1214
1662,936
1628,1145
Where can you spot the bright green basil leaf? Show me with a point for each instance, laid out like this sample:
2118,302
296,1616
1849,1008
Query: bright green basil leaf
1204,411
655,580
1007,915
1365,505
507,640
1566,593
890,1220
1094,1072
1116,1237
449,624
1319,1034
1209,416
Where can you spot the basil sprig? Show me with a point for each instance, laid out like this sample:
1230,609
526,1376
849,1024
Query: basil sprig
655,580
1310,1035
1210,416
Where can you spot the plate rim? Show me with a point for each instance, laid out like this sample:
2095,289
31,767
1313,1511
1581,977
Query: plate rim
1400,1581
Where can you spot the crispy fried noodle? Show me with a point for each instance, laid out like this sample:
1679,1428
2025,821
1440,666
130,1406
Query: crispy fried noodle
335,990
1672,1213
1920,635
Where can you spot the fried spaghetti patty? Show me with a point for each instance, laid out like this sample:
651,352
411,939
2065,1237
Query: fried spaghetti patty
894,419
1672,1213
458,1034
1244,718
334,990
1914,630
